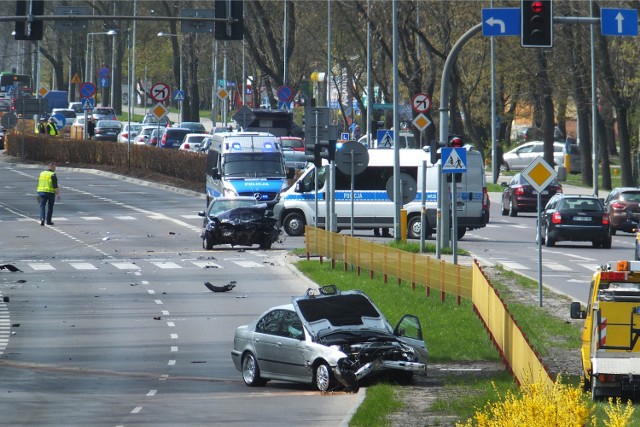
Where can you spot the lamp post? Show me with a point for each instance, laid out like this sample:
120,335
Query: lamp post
163,34
113,64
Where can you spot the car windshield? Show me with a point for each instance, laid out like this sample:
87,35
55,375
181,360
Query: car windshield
340,310
196,139
581,204
218,207
631,196
254,165
108,124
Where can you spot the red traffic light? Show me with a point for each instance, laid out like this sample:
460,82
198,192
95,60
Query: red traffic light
456,142
536,7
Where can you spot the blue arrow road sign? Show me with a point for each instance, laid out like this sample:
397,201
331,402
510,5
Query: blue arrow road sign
501,21
619,22
104,82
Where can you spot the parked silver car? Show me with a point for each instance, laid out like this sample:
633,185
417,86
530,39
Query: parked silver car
521,156
328,338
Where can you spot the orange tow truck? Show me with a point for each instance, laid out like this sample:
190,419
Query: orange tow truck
610,338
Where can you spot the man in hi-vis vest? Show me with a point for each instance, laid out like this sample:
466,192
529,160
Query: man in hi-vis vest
48,192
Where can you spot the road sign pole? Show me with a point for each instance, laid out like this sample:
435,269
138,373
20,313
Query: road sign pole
454,220
539,252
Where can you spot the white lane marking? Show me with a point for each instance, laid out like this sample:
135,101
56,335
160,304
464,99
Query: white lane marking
590,267
90,218
165,312
174,348
556,267
124,265
174,336
83,266
136,409
171,324
193,216
248,264
519,226
44,266
145,282
513,265
126,217
206,264
152,393
165,265
163,377
151,292
158,301
171,363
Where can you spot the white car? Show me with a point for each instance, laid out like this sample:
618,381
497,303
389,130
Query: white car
123,136
521,156
193,141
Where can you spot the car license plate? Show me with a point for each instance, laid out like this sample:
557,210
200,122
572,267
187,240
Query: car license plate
582,218
544,192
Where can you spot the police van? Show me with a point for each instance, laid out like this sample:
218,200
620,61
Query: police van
372,207
245,164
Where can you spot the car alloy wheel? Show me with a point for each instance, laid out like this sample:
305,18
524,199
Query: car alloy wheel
323,377
251,372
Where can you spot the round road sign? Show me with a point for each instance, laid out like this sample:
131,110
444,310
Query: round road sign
160,92
421,103
9,120
87,90
285,93
408,188
360,158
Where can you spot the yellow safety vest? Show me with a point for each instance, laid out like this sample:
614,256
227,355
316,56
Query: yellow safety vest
45,183
53,130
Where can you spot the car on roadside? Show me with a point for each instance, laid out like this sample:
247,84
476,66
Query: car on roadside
293,150
77,107
329,339
129,128
521,156
172,137
104,113
107,130
154,136
623,206
196,127
575,218
193,141
150,119
520,196
143,136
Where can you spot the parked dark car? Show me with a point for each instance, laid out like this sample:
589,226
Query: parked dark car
623,206
238,221
104,113
107,130
173,137
328,339
2,132
196,127
575,218
520,196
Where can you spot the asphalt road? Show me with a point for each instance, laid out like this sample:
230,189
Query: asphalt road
109,322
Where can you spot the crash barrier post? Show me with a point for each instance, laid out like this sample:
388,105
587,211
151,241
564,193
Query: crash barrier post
461,281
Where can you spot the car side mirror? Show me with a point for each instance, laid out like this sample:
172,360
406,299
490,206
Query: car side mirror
291,173
201,213
215,173
576,312
504,184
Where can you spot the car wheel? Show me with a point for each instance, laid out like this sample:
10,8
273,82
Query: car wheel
549,241
208,241
461,232
503,209
613,231
606,243
414,227
513,209
323,377
505,167
294,224
251,371
266,242
596,243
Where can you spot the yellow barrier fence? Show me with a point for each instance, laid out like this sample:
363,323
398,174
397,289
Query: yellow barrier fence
447,278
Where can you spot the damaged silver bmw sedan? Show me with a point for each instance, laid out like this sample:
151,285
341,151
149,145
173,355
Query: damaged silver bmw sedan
329,339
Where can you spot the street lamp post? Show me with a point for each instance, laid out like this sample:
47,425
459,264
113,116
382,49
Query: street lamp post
163,34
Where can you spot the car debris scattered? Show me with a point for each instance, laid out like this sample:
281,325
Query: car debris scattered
12,268
224,288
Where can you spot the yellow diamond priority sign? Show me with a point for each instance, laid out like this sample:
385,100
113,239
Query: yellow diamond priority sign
43,90
159,111
539,174
222,93
421,122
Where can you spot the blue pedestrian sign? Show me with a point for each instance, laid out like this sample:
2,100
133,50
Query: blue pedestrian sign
501,21
178,95
454,160
104,82
384,138
619,22
87,104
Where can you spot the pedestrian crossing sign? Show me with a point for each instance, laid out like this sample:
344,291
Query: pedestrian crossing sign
385,138
454,160
87,104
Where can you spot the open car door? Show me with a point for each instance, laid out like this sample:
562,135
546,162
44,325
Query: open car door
409,331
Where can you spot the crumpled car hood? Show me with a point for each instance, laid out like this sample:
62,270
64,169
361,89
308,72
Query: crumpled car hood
350,310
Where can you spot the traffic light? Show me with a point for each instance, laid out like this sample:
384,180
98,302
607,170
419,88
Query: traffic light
33,30
456,141
328,149
225,9
433,151
312,151
536,18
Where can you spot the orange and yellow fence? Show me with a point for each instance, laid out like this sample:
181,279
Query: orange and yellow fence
444,277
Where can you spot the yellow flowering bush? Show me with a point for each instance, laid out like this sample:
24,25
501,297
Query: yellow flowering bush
538,405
